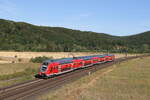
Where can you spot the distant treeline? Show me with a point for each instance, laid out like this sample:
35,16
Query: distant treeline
20,36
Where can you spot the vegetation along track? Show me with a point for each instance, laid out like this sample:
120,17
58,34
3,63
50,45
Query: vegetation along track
27,89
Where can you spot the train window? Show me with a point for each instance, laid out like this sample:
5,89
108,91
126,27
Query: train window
95,60
75,63
45,63
43,69
80,63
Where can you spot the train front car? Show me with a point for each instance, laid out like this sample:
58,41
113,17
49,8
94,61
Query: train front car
44,69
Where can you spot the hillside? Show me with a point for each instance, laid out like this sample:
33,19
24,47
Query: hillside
139,42
20,36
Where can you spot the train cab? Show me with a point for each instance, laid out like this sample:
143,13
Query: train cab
44,68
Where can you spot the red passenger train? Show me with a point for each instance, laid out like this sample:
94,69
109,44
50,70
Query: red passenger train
54,67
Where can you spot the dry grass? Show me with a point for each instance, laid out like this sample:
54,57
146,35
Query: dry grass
5,62
48,54
4,83
126,81
16,73
6,69
8,57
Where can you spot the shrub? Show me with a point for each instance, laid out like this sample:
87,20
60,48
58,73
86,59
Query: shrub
39,59
20,60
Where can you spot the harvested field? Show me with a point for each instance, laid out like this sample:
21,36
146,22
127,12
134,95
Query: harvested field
26,56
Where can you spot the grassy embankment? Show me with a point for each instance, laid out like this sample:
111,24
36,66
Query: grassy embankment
128,80
16,72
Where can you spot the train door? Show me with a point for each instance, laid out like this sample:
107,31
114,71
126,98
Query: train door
51,70
55,69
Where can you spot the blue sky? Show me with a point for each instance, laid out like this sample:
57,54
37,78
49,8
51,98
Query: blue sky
115,17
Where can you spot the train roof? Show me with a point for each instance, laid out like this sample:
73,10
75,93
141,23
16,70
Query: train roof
48,61
89,57
108,54
69,60
61,60
64,60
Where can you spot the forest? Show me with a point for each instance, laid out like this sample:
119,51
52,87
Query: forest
21,36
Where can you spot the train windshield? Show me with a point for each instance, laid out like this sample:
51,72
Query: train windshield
45,63
44,67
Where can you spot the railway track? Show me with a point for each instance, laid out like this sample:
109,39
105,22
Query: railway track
37,86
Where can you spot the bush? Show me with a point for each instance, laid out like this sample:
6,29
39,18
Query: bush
19,60
39,59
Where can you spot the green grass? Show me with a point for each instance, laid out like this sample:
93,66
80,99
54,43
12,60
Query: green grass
17,72
129,80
